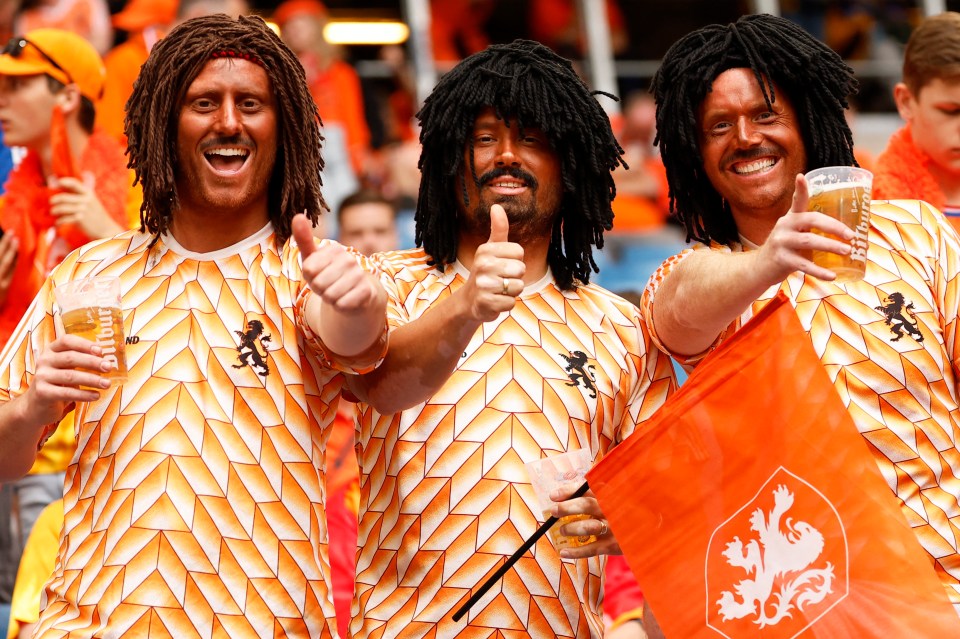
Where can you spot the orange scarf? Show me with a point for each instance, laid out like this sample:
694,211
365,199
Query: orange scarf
901,172
26,214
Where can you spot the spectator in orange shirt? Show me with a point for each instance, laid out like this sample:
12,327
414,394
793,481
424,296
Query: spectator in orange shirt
146,21
49,82
367,224
333,83
642,201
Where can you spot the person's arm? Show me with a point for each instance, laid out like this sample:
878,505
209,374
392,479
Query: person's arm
424,353
65,365
348,311
708,290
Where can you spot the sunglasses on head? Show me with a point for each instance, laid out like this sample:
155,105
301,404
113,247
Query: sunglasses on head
15,48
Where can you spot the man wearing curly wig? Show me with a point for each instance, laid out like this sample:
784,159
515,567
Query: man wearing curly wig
511,354
743,110
194,504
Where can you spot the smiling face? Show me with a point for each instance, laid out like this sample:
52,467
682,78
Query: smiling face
520,172
751,153
227,141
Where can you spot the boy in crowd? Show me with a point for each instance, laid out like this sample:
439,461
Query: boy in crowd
922,159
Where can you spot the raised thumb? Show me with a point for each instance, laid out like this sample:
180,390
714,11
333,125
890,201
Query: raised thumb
499,224
303,235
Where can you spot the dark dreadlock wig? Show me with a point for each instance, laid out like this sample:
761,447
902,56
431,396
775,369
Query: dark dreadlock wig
528,84
153,112
779,53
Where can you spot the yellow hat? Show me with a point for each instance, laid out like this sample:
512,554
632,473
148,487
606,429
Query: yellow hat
62,55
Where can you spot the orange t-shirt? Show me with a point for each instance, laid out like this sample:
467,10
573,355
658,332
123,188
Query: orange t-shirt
339,98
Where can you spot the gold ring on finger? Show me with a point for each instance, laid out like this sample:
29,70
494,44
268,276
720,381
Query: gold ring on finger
506,283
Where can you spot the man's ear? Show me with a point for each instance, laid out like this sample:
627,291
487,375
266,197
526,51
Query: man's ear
906,101
69,99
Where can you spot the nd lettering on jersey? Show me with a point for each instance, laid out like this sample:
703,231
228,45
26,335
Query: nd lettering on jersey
762,506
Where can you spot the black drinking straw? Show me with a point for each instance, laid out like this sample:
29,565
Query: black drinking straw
514,558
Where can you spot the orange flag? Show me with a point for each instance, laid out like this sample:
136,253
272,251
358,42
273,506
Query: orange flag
751,507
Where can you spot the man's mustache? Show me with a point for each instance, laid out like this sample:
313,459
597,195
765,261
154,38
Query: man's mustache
746,155
504,171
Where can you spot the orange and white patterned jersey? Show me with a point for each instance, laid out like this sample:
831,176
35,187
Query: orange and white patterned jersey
193,503
445,497
890,345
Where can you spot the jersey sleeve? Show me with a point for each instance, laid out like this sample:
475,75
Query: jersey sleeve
648,299
650,377
362,362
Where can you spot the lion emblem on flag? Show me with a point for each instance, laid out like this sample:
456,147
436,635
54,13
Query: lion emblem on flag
779,563
790,551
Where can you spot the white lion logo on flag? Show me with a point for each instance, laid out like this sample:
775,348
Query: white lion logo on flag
781,559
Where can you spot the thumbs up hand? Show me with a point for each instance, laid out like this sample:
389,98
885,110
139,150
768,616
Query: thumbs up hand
333,273
496,277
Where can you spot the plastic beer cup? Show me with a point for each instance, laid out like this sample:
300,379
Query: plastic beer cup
843,193
90,308
546,475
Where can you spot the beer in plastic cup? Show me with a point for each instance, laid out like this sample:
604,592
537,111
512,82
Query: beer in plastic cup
546,475
90,308
843,193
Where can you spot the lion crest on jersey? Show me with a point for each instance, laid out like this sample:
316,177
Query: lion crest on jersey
253,348
580,372
900,317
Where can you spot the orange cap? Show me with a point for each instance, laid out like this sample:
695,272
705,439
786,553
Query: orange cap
293,8
140,14
63,55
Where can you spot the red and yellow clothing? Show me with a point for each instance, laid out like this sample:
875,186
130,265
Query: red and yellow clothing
891,346
901,172
623,599
194,505
444,494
